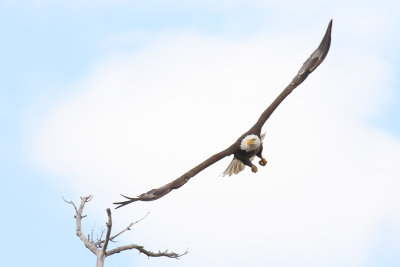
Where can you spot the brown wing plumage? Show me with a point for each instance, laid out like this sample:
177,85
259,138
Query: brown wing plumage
175,184
309,66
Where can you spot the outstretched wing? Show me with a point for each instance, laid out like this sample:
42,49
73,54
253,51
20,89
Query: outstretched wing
309,66
163,190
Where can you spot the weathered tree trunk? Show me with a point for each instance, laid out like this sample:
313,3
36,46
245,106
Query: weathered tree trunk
100,259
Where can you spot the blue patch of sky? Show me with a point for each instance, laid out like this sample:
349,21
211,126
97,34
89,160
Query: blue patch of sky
56,44
386,246
389,119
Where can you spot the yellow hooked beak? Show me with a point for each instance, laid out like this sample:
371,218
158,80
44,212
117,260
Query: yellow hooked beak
250,141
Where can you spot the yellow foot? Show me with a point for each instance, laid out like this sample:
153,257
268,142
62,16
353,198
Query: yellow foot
263,162
254,168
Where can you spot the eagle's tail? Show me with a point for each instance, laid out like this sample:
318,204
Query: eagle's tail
234,167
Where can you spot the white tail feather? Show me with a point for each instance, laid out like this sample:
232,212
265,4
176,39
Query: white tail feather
234,167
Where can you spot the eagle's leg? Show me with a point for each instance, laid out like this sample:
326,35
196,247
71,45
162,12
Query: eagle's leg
251,165
254,168
263,161
247,162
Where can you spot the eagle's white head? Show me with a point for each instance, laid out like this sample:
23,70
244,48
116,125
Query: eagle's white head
250,143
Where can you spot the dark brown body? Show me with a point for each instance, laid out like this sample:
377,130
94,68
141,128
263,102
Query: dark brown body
245,157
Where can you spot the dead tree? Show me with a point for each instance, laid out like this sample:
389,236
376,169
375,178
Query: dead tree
309,66
99,247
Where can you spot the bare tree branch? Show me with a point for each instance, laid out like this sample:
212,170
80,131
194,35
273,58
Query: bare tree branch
109,225
128,228
78,219
146,252
72,203
308,66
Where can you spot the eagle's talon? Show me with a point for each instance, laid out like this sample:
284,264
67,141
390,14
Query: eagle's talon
254,168
263,162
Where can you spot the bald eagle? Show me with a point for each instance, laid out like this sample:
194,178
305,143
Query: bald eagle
250,146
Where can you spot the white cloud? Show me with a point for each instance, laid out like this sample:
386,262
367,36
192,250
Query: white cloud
139,120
